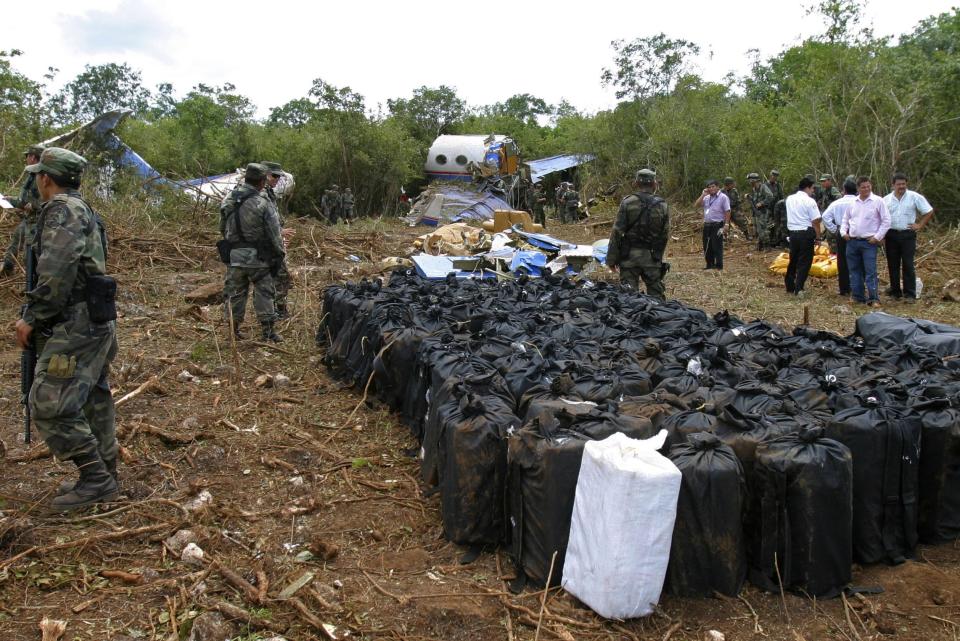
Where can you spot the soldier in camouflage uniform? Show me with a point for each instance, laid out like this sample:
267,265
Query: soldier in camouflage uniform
282,281
537,204
346,205
571,205
249,222
72,330
826,193
639,237
762,202
331,204
730,189
29,202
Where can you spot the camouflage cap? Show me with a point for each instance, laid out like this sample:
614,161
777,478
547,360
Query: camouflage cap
34,150
774,172
826,177
728,180
255,171
646,176
272,167
59,162
753,176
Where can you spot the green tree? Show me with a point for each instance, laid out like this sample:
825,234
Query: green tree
21,117
98,89
649,66
429,112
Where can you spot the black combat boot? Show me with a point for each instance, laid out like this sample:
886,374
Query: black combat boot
282,312
269,334
94,486
67,486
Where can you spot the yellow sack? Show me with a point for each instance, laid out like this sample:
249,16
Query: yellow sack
779,264
821,250
824,267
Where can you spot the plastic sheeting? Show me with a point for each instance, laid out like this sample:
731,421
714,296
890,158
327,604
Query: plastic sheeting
879,328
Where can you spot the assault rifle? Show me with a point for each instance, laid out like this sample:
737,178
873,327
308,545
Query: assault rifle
28,357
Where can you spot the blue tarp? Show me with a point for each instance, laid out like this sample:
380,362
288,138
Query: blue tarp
531,262
543,166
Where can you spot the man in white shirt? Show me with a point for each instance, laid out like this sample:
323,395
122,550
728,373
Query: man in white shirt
803,229
832,217
905,207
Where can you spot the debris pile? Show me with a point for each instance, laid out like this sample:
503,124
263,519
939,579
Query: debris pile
471,252
504,383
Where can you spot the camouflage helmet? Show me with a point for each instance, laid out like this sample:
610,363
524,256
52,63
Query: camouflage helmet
753,176
334,186
728,180
774,172
826,177
255,171
646,177
59,162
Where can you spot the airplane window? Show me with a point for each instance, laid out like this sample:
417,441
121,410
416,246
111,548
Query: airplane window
461,160
441,159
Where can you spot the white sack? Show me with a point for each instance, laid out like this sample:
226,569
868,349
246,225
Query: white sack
622,525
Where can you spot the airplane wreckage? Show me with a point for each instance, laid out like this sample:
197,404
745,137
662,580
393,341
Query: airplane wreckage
472,176
98,139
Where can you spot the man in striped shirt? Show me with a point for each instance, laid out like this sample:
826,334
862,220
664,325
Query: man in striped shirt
909,213
864,225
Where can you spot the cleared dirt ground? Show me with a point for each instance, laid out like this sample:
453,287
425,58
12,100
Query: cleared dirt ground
309,482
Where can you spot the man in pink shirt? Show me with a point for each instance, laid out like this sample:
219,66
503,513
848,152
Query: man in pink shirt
864,225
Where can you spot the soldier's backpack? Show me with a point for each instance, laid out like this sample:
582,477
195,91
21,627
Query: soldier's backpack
649,229
230,207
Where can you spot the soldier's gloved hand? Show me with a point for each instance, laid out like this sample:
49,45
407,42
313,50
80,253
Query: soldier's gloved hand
8,266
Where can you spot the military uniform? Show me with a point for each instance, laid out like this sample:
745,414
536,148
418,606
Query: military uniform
735,214
282,281
250,224
639,238
331,204
571,203
826,195
29,202
762,202
536,204
70,399
346,204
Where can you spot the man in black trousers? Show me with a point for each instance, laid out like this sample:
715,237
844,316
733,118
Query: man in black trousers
803,230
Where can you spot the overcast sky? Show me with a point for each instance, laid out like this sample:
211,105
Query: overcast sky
488,51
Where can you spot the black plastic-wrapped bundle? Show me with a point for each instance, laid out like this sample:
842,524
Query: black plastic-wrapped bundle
445,395
683,424
939,474
803,494
885,443
708,553
544,463
472,461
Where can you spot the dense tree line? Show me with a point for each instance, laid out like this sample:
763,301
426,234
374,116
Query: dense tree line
842,102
